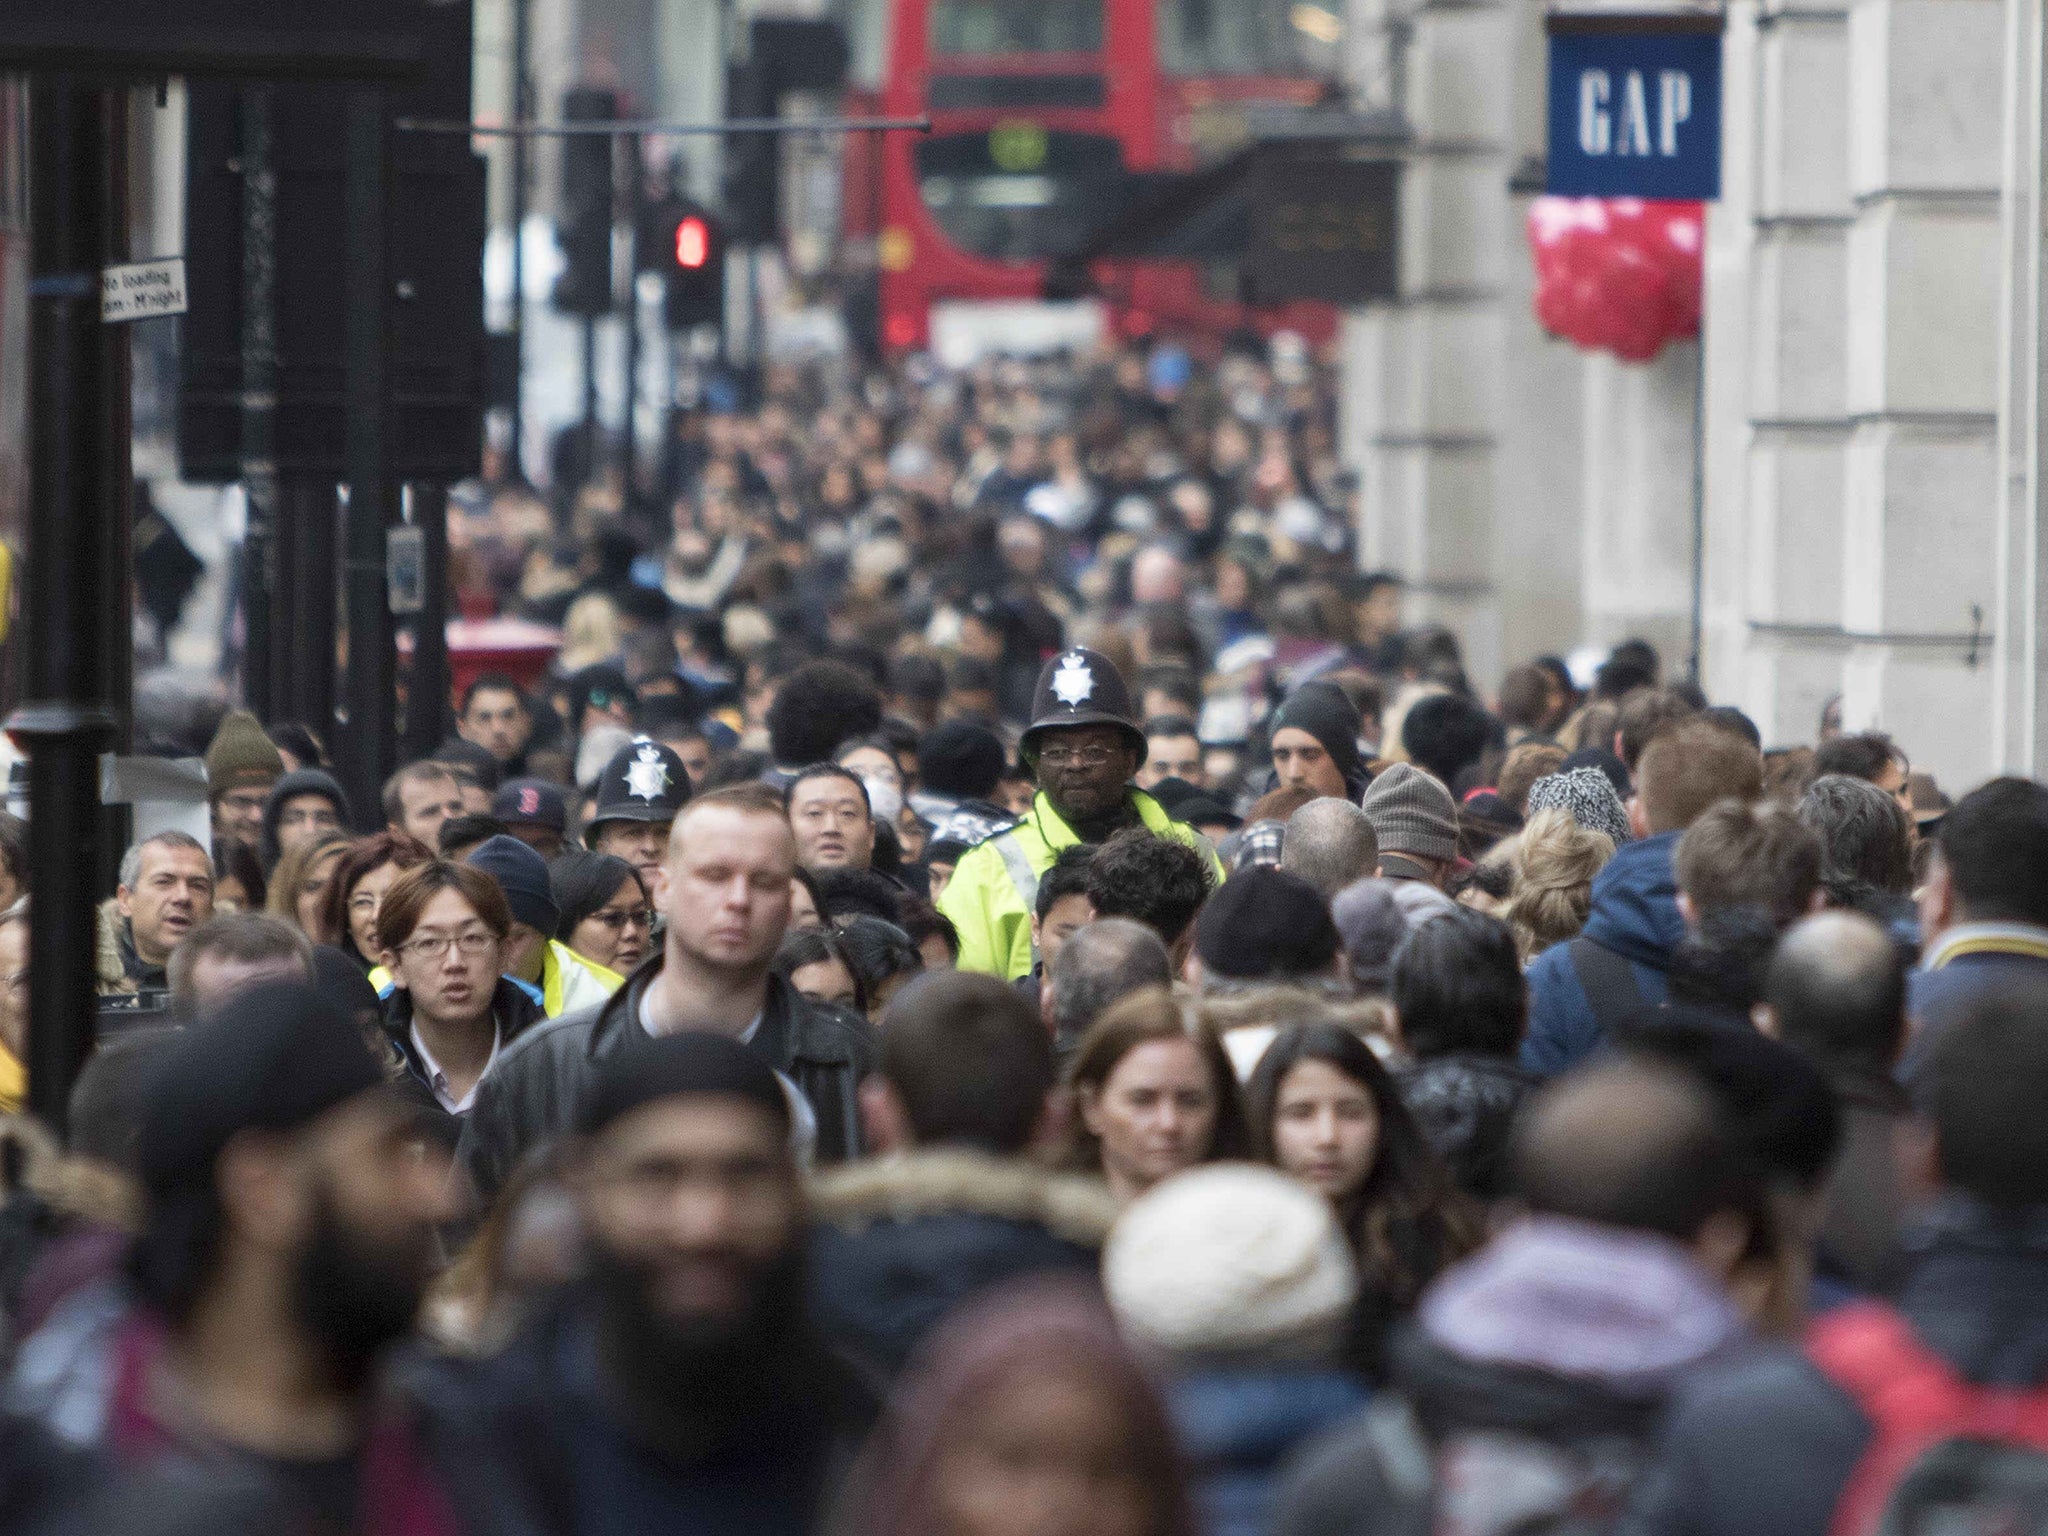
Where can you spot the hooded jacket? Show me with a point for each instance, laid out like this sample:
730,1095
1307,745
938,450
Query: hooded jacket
1763,1443
900,1242
307,781
1558,1330
1635,917
532,1093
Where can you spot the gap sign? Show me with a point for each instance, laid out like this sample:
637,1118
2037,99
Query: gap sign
1635,105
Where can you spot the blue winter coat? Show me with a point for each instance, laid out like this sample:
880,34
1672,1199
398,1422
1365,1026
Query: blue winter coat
1635,915
1239,1426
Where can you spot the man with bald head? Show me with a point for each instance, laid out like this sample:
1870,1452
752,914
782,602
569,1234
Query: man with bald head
1330,843
731,862
1578,1320
1100,964
1837,991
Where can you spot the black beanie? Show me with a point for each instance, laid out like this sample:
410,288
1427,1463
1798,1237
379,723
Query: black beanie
522,875
271,1058
671,1066
1324,710
1264,923
960,759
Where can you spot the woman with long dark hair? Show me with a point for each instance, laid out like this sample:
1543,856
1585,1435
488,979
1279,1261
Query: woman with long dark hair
1324,1109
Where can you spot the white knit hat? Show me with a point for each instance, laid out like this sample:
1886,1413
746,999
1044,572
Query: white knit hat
1227,1257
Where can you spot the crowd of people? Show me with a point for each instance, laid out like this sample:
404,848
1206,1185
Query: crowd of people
998,988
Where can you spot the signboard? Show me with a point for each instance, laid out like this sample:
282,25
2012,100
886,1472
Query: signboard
142,290
363,39
1635,105
1322,227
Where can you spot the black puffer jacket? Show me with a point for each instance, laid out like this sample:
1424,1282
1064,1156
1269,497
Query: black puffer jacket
532,1093
901,1241
1465,1104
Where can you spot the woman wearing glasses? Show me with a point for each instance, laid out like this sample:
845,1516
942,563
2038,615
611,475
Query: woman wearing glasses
606,914
442,930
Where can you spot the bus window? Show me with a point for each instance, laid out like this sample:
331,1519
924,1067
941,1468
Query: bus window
1005,206
1016,26
1249,37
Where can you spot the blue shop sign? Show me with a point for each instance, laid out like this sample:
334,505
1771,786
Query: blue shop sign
1635,105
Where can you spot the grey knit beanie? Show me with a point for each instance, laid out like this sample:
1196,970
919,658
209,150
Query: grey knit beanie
1411,812
1587,797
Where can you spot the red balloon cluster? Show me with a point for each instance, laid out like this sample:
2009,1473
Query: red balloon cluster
1617,274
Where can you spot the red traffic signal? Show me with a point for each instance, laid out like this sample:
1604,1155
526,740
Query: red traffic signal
693,242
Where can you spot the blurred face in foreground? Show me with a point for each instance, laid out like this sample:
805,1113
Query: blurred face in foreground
1046,1455
1155,1114
690,1201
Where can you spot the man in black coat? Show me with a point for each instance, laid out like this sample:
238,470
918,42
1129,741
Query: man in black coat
958,1096
727,894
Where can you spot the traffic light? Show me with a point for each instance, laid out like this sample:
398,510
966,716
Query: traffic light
585,229
686,244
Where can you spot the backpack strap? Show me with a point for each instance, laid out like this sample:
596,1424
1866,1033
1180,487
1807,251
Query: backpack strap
1609,982
1914,1400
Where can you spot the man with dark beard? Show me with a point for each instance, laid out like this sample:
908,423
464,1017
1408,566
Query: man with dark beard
292,1208
680,1388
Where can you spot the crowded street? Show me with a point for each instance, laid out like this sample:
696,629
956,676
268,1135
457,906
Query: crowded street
782,772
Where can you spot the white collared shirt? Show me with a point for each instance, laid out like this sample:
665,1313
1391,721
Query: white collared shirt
438,1080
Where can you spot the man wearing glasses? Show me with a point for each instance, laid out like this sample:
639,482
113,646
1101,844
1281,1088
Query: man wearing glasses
1084,747
442,928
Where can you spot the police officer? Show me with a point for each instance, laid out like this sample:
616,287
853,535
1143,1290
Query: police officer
638,795
1084,747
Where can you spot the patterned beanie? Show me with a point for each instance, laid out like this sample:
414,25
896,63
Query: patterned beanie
1587,797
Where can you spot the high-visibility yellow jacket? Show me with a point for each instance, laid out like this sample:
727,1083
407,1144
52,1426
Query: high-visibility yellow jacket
995,884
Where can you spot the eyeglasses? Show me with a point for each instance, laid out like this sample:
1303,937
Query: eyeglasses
617,921
1077,757
471,944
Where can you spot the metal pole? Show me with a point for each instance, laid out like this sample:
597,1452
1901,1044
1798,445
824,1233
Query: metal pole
629,393
522,110
366,748
312,511
260,566
427,719
589,457
78,481
1699,502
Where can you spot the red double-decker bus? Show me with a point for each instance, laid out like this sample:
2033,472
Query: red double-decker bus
1041,110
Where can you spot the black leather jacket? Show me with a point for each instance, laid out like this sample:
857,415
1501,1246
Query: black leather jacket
532,1093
